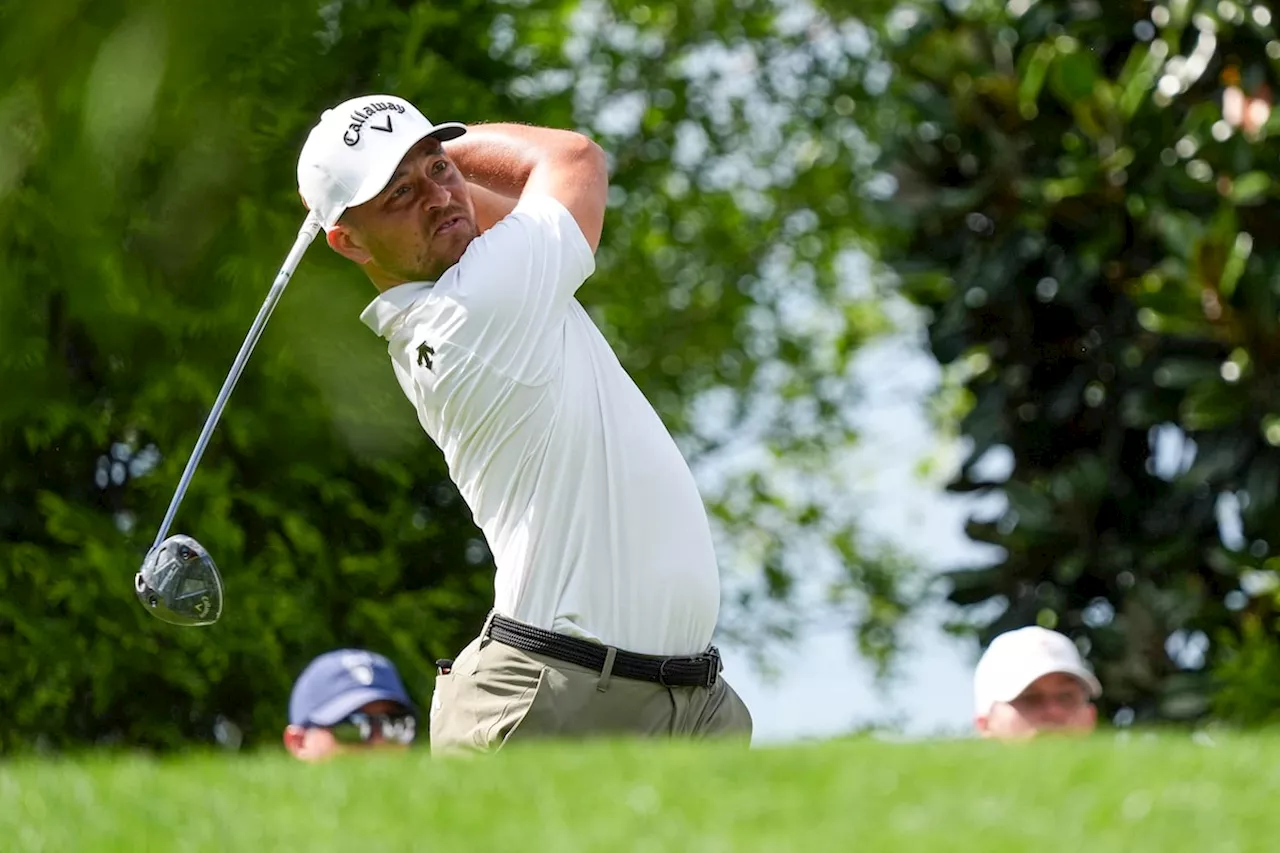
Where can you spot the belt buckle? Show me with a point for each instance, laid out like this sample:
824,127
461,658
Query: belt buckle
714,665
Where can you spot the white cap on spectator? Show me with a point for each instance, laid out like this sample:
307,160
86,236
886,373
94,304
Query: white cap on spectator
1015,659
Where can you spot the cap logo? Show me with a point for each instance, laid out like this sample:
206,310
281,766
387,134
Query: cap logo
360,666
359,116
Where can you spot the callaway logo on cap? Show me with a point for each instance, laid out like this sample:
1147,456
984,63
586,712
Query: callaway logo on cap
358,119
352,152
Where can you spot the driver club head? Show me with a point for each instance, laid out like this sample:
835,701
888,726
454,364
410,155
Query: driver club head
179,583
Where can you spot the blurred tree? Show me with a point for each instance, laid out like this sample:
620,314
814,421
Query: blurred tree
1092,224
147,155
737,283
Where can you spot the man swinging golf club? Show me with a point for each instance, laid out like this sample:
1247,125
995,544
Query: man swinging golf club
607,590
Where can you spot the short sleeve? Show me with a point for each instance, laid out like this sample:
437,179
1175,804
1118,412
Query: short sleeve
515,283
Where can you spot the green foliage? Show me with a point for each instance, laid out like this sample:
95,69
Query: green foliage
1248,692
736,284
147,208
147,196
1090,220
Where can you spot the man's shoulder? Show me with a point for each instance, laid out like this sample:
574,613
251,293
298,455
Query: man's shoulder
538,223
540,205
536,211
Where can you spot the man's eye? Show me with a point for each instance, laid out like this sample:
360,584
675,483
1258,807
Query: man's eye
440,166
400,191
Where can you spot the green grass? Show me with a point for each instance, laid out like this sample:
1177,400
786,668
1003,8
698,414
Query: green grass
1153,793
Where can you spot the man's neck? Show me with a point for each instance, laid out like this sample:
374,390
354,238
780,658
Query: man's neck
381,279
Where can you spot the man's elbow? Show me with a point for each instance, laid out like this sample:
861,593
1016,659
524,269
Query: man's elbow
582,180
574,144
595,154
596,166
586,155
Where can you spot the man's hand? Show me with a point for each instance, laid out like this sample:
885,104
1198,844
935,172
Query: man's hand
507,160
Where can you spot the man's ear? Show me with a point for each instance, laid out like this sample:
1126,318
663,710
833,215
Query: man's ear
980,723
347,244
294,739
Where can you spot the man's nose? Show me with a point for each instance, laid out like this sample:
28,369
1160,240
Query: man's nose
1055,714
434,195
1055,711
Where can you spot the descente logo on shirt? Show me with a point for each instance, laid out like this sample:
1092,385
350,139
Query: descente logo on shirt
425,351
359,117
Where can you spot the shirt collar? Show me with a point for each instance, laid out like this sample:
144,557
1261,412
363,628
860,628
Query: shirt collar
381,314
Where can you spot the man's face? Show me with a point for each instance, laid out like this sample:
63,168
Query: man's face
417,227
313,743
1052,703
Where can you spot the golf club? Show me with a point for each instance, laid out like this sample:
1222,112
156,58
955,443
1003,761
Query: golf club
179,582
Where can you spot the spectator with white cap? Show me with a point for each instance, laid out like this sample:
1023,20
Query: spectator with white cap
1034,680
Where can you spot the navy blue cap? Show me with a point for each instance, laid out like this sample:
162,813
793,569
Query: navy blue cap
338,683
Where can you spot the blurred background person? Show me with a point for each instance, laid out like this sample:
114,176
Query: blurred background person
1033,680
348,699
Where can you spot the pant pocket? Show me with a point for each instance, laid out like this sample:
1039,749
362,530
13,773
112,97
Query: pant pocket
437,699
450,722
438,717
489,696
531,716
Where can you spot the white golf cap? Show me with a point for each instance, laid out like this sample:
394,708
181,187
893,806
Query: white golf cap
1015,659
353,151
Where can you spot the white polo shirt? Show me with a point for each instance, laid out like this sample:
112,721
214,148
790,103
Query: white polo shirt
592,514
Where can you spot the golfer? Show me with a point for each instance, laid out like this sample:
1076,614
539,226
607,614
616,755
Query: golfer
607,589
1032,681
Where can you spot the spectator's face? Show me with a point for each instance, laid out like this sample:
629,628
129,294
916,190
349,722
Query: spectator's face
313,743
1052,703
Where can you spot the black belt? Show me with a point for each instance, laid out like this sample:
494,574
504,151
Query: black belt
690,671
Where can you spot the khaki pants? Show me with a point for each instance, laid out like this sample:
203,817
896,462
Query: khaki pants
496,694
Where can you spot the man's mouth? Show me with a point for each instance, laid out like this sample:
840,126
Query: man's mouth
449,225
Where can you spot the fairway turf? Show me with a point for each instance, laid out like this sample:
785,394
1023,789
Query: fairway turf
1109,793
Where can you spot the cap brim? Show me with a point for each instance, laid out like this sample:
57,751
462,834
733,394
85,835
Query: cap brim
377,179
337,709
1031,676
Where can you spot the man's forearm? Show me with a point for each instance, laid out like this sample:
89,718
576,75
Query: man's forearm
500,157
507,160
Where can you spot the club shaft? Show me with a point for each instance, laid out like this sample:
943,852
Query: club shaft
306,234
